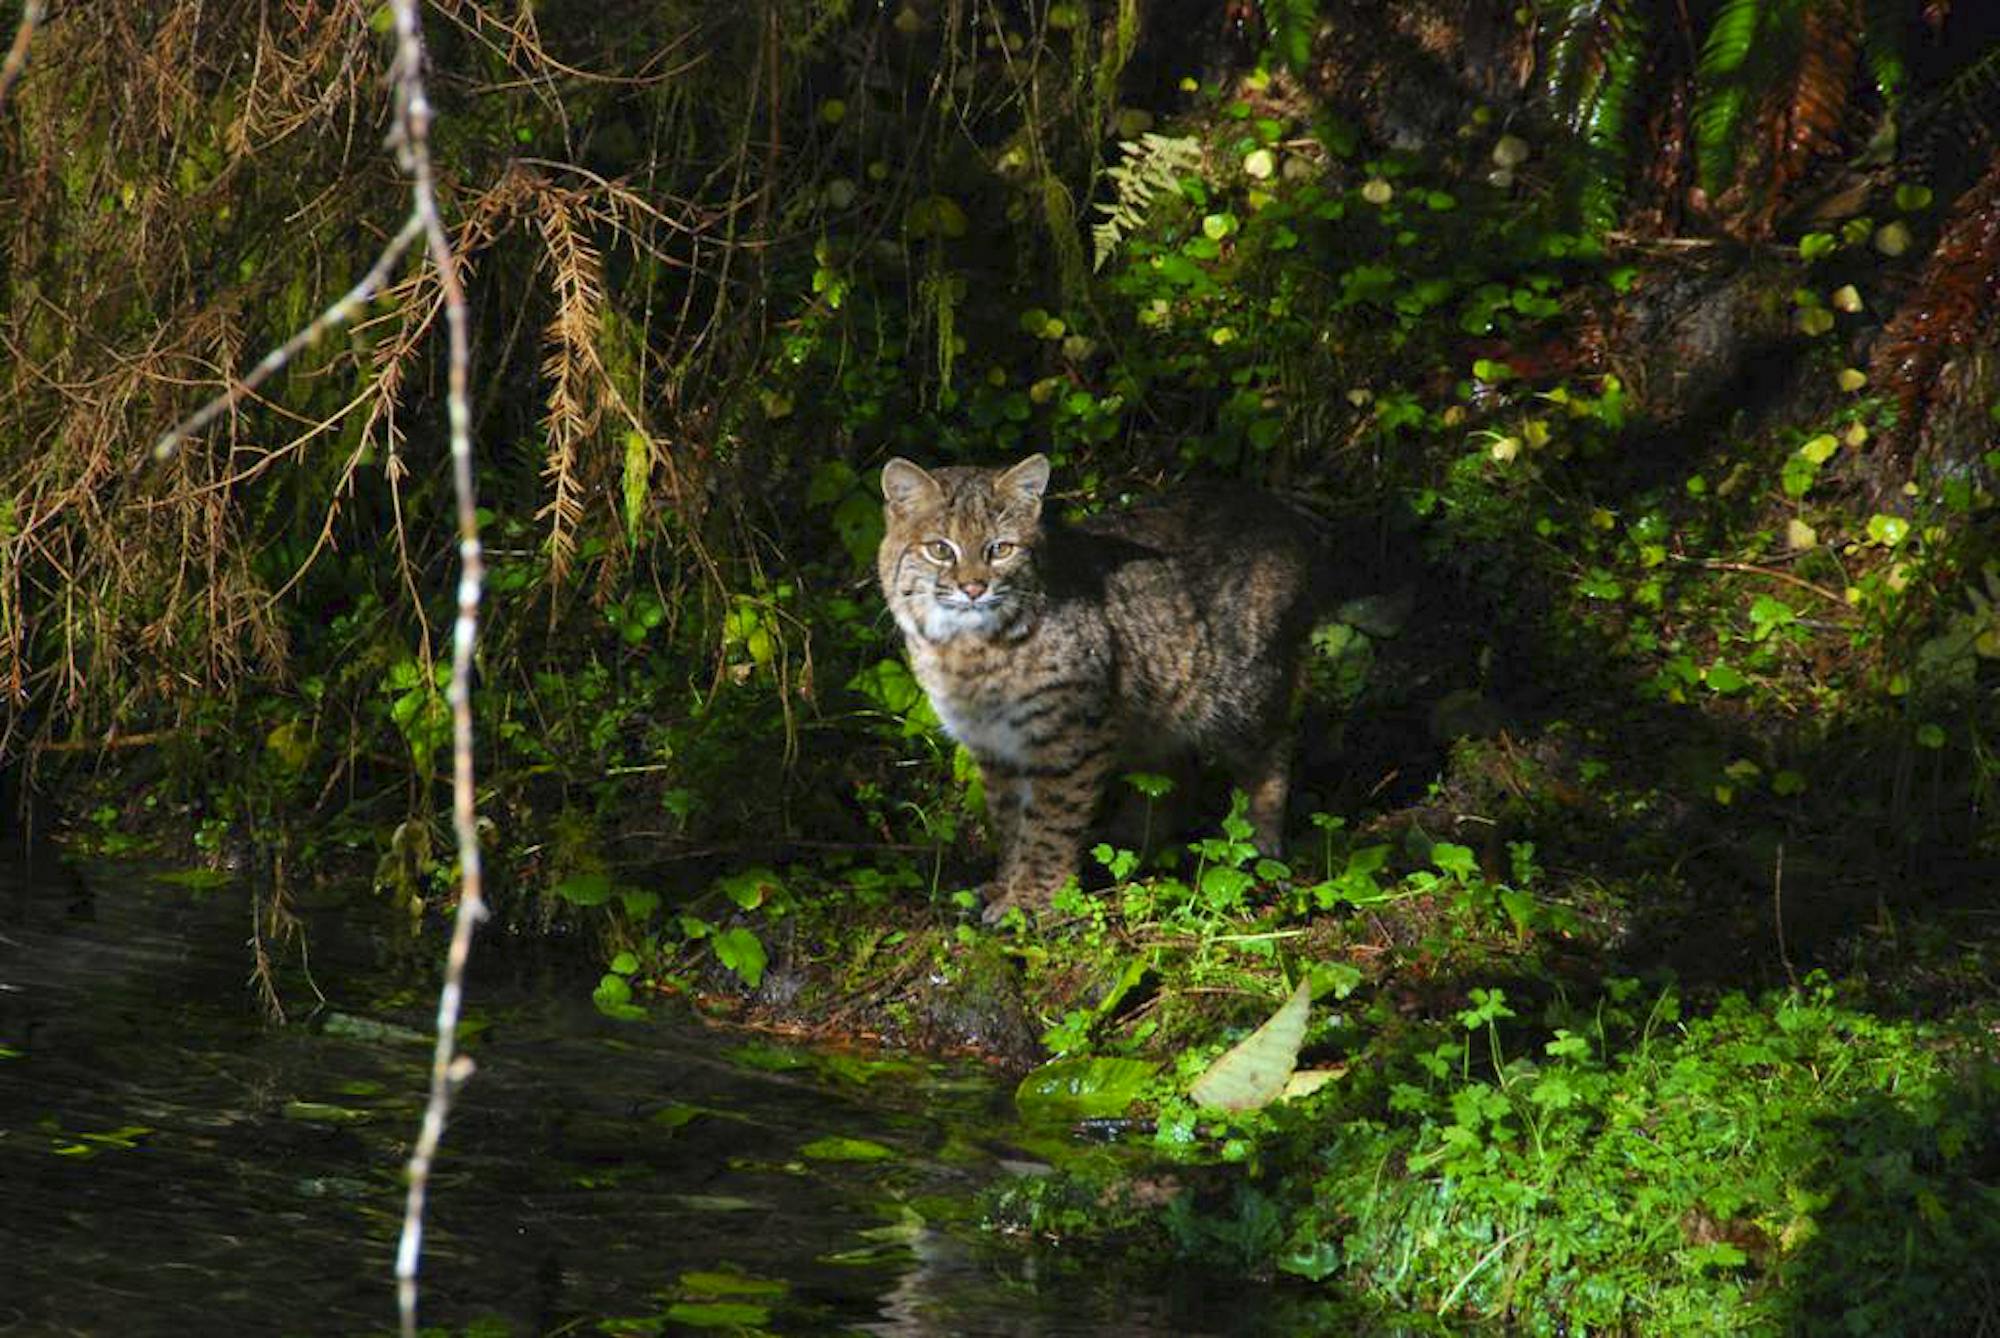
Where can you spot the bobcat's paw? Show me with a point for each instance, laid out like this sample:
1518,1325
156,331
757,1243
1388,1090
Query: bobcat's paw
1000,899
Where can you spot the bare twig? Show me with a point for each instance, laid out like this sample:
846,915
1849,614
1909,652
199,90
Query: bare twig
1778,914
412,137
32,13
1717,564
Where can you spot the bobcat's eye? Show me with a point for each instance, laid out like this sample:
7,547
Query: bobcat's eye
1000,550
940,550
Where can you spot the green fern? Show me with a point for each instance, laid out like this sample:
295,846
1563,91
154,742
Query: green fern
1971,98
1882,48
1148,168
1725,78
1593,65
1288,27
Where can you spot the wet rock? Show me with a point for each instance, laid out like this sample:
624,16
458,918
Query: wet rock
972,999
1709,336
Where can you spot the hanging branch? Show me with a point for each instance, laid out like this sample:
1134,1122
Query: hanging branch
412,141
410,138
32,13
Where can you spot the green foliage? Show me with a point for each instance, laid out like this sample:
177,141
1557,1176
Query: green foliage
1289,26
1597,51
1642,671
1758,1143
843,1148
742,952
1726,78
1067,1089
1147,169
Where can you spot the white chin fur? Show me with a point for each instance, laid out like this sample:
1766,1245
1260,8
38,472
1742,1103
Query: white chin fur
942,622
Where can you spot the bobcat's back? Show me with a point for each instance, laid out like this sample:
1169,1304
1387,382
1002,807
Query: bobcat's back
1208,597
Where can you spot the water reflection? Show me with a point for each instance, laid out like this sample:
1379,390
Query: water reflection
175,1163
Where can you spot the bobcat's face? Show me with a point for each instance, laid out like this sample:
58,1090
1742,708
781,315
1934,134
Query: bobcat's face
958,549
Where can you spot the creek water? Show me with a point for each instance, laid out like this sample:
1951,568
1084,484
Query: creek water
173,1161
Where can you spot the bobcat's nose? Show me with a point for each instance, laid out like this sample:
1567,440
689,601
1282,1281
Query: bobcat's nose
973,589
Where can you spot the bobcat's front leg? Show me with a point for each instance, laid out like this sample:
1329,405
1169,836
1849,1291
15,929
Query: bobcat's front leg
1051,805
1006,795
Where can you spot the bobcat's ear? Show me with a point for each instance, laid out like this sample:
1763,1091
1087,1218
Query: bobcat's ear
905,487
1026,482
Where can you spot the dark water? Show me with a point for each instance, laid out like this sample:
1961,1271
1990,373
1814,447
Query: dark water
172,1162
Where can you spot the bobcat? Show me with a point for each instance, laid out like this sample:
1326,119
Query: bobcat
1053,652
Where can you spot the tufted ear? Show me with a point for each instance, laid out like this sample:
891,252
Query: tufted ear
1026,482
905,487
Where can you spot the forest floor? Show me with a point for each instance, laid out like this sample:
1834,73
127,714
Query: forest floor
1626,1027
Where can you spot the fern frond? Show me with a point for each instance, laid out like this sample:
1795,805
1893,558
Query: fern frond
1815,99
1951,306
1147,168
1288,29
1589,40
1593,65
1722,87
1965,107
1883,48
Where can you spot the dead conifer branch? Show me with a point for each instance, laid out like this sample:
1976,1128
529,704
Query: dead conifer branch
340,313
574,373
32,13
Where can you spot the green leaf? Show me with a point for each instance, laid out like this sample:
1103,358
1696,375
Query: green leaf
716,1283
738,1315
613,997
1716,1254
837,1148
742,952
1339,979
1888,531
1599,584
1797,475
1222,886
831,481
589,888
1768,614
1724,679
1722,89
857,520
1254,1072
752,887
1367,859
638,475
1080,1088
890,685
1456,860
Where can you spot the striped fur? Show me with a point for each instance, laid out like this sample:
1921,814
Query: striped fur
1056,653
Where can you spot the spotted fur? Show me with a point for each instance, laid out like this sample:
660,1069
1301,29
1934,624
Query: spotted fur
1055,653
